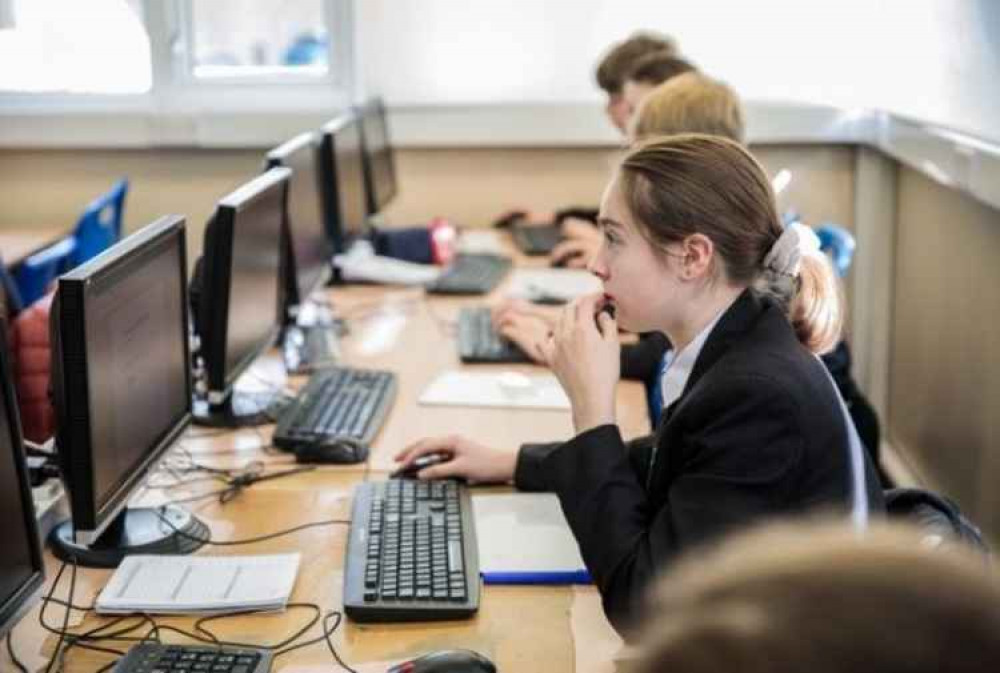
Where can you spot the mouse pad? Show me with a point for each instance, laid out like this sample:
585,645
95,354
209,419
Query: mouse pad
505,389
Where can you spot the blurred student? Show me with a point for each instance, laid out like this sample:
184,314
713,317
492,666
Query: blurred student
611,73
752,428
822,599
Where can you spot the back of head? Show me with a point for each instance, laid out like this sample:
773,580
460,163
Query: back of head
618,61
824,599
680,185
691,103
658,67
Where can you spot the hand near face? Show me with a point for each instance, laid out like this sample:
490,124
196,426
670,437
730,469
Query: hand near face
586,360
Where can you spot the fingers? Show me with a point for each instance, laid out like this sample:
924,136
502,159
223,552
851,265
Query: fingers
451,468
608,325
425,446
528,340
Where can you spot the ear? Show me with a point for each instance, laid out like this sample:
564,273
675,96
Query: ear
698,253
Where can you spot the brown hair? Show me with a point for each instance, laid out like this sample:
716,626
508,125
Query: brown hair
676,186
617,62
658,67
691,103
824,599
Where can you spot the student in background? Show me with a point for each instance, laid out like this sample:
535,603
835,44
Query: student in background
610,74
794,598
753,427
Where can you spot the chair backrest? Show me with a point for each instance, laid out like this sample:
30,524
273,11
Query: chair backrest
938,517
839,244
100,226
35,273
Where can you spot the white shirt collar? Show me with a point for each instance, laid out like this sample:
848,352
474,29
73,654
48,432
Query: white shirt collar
679,364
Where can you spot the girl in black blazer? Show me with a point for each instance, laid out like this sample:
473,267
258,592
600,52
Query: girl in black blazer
753,428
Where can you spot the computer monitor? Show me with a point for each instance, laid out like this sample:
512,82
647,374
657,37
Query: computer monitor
308,249
122,391
344,199
21,568
380,165
239,304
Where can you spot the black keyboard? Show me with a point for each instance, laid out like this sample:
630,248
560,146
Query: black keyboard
479,342
536,240
471,274
306,349
411,554
337,403
159,658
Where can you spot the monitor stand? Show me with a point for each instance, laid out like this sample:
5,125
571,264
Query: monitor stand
134,531
240,410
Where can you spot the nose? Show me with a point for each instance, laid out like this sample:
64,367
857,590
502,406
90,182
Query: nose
598,266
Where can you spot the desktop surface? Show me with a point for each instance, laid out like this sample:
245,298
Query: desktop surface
566,630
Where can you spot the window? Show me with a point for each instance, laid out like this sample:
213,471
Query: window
263,39
97,46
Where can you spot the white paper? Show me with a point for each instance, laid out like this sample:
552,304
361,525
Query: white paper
505,389
184,584
552,284
524,532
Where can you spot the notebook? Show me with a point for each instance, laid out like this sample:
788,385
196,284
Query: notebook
504,389
205,584
524,539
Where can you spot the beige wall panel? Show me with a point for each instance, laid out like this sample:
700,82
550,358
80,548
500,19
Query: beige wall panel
945,370
469,186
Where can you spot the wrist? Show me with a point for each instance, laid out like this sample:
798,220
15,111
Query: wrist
589,416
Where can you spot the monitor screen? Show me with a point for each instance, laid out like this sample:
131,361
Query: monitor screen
380,168
120,374
21,561
254,278
310,247
343,140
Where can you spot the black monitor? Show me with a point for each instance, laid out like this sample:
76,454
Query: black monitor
21,568
239,304
122,391
307,247
344,199
380,165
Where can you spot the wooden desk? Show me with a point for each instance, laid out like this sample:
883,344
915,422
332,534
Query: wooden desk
16,244
551,629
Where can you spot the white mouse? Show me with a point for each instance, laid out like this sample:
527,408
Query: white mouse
514,382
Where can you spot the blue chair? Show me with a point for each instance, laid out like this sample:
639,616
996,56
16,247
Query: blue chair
100,226
839,244
35,273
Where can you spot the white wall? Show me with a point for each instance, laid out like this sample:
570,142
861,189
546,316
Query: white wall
936,60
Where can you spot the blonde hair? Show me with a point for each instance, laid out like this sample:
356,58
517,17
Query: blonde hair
618,61
676,186
691,103
818,597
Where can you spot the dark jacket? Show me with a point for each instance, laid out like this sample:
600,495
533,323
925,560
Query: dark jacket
757,432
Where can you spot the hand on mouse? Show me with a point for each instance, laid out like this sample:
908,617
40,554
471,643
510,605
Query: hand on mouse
470,460
584,353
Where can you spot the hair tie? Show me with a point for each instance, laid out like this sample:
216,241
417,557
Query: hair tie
785,256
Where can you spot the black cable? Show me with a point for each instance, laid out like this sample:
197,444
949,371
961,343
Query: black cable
65,626
327,634
250,540
200,628
13,657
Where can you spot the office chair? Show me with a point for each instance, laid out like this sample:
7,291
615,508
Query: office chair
938,518
839,244
100,226
34,275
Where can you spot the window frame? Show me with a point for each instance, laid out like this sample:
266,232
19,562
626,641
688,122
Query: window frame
179,106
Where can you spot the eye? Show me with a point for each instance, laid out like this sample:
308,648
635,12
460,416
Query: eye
611,237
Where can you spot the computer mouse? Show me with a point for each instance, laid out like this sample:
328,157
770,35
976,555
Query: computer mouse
447,661
339,451
514,383
410,471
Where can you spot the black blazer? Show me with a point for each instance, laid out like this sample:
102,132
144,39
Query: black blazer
757,432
